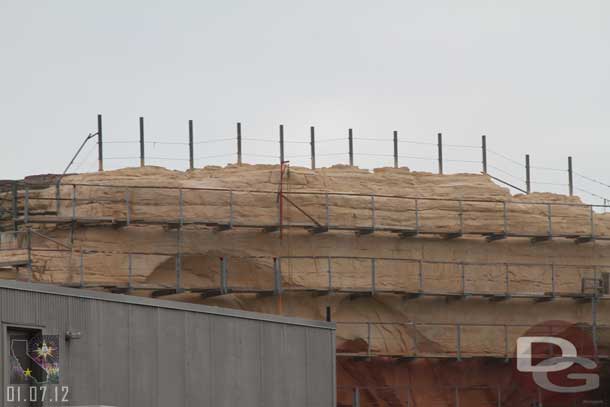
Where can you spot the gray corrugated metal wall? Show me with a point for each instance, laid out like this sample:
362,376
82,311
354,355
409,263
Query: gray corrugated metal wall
139,354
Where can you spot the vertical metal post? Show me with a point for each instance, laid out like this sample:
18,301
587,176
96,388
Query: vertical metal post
26,205
100,150
356,397
142,142
414,338
461,216
179,243
312,136
350,139
459,342
328,314
592,220
440,153
505,217
570,177
506,342
29,236
484,151
239,143
421,275
373,276
395,149
128,207
507,279
330,275
231,210
417,216
550,220
499,404
463,277
594,322
528,180
457,396
129,272
191,146
327,204
57,196
553,280
82,270
368,338
223,276
281,143
277,287
373,212
73,203
15,207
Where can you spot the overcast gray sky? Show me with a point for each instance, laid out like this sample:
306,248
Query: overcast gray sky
532,75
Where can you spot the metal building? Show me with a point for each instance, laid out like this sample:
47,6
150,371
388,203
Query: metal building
117,350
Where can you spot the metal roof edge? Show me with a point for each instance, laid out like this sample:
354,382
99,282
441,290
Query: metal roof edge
166,304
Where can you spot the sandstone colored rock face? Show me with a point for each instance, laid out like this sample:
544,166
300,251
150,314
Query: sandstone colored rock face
385,324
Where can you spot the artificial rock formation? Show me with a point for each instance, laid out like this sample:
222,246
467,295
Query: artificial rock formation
98,253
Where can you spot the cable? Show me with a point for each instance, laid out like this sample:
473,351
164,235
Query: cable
331,154
464,161
214,156
371,139
261,155
166,142
329,140
264,140
549,183
590,193
592,180
121,142
85,158
506,173
167,158
423,143
506,158
218,140
461,146
296,142
548,169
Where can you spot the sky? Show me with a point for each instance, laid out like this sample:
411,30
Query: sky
533,76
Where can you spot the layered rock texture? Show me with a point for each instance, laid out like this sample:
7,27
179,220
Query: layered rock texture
450,269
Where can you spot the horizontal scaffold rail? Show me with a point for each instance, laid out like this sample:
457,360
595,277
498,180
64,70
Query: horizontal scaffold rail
453,395
318,212
326,275
459,340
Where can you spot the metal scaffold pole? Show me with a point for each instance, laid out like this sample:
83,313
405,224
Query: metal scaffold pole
100,150
395,149
281,143
142,162
440,153
313,147
484,152
350,138
191,146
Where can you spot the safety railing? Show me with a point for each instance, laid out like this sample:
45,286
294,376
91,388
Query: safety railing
460,340
407,216
353,148
409,395
355,275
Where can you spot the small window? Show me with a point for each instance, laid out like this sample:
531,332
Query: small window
27,374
